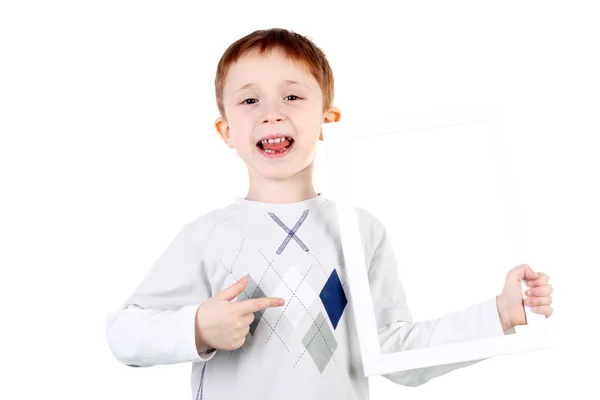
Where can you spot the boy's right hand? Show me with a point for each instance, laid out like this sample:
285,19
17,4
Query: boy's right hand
223,324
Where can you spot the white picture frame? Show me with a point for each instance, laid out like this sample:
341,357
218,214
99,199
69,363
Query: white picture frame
335,137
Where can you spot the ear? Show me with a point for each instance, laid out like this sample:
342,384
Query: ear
223,128
332,115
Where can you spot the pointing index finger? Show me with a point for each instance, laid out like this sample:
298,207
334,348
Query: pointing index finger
254,305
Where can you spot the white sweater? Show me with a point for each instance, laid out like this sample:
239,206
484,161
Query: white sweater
306,349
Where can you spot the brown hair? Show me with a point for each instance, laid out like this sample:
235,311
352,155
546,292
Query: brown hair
295,46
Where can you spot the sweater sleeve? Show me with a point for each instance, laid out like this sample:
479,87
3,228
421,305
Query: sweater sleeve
397,330
156,324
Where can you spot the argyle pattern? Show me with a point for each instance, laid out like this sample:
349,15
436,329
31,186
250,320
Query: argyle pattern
314,301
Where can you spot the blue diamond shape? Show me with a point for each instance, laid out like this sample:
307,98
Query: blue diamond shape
334,298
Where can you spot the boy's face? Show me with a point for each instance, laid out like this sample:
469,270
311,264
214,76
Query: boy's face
270,96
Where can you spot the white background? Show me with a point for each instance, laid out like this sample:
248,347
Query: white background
439,196
108,147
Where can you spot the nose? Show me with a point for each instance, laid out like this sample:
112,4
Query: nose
272,118
272,114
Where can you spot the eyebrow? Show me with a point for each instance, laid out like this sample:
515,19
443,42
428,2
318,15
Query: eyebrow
288,81
246,86
296,83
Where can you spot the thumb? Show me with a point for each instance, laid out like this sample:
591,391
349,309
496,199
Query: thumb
524,271
232,291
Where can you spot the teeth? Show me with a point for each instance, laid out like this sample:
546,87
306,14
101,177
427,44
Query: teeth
277,140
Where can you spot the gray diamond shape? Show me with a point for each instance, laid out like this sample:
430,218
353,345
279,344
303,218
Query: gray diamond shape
253,290
320,342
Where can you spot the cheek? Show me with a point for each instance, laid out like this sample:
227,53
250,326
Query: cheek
240,128
311,127
309,121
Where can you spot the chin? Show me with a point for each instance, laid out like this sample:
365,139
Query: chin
277,175
280,173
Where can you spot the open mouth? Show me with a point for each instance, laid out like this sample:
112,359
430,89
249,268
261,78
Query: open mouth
275,147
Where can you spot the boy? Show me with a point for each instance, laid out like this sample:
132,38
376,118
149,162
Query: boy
253,294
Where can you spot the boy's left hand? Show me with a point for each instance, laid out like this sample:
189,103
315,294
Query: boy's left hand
510,301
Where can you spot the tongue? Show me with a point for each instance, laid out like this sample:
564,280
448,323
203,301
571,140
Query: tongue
276,146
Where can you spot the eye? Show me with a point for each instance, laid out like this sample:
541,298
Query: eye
294,97
249,101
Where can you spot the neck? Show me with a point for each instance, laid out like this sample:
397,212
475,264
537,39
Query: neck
293,189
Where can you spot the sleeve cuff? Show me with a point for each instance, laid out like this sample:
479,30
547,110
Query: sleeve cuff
186,346
492,326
